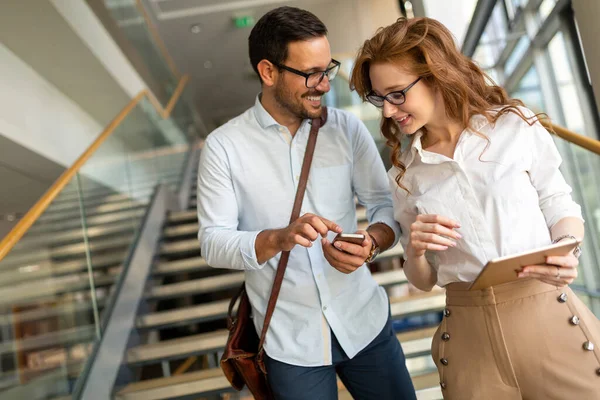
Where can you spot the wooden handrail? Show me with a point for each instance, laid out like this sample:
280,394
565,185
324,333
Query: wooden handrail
583,141
17,232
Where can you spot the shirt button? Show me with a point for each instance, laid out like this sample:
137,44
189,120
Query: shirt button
324,308
297,177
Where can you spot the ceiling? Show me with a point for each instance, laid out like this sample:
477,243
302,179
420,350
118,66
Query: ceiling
35,32
223,83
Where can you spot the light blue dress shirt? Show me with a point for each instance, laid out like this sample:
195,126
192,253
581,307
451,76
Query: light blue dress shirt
247,178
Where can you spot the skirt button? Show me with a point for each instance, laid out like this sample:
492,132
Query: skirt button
562,298
589,346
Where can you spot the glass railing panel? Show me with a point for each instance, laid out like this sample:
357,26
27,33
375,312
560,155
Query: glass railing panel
47,327
57,283
133,24
163,158
111,226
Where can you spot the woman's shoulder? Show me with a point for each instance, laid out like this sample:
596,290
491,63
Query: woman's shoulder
517,115
506,122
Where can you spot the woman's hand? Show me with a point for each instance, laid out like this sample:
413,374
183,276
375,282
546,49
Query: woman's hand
558,270
432,232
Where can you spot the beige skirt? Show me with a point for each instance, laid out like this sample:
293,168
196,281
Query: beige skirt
522,340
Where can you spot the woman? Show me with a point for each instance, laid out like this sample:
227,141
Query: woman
478,180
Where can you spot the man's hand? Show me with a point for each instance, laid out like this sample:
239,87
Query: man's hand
305,230
347,257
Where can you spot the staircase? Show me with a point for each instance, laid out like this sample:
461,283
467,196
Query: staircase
182,321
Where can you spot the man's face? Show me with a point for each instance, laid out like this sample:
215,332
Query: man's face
290,89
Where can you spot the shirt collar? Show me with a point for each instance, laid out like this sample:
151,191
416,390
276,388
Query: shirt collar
477,123
265,120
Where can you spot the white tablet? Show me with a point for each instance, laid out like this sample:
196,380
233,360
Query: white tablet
505,269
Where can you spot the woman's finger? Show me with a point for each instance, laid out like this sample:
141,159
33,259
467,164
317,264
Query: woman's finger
428,246
432,238
440,230
569,261
550,270
438,219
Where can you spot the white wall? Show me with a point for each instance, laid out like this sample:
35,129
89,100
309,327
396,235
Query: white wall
62,80
38,116
90,30
455,14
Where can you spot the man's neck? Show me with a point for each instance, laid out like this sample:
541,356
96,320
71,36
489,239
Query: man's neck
281,115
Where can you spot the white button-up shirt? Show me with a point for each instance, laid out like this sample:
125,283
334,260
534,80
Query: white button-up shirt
506,196
247,179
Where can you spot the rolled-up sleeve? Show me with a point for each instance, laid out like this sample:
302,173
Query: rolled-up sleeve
222,245
370,179
553,191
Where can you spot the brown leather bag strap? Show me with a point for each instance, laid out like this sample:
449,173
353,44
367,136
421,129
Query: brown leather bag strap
308,156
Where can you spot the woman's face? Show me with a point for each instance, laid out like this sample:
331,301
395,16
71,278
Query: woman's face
420,103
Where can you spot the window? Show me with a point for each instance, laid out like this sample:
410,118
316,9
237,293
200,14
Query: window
530,91
516,55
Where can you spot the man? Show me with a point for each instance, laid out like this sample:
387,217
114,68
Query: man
331,316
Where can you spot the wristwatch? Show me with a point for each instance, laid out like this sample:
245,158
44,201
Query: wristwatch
576,251
374,250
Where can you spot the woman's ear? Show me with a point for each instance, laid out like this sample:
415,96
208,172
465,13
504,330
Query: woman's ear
268,72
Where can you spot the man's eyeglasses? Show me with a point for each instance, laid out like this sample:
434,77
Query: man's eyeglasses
396,98
314,78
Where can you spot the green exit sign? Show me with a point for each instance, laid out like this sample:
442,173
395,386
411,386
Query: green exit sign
243,21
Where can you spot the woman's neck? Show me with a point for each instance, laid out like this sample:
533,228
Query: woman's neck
442,134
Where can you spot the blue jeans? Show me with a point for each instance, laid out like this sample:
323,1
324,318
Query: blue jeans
378,372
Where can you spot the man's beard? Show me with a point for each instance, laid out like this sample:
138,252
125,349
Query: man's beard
286,100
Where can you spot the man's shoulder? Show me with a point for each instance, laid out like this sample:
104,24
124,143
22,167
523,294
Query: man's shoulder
346,122
234,127
339,116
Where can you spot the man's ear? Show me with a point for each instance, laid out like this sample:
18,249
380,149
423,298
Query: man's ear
268,72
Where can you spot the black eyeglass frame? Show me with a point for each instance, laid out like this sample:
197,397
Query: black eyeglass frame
336,64
378,101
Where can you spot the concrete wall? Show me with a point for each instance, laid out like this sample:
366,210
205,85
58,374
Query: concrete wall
62,80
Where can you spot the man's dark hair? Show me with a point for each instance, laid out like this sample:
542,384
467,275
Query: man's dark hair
272,33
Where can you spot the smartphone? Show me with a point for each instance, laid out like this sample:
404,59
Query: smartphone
354,238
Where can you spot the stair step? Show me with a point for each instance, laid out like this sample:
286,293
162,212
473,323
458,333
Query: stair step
180,216
46,269
218,310
179,247
192,264
184,316
196,286
195,345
